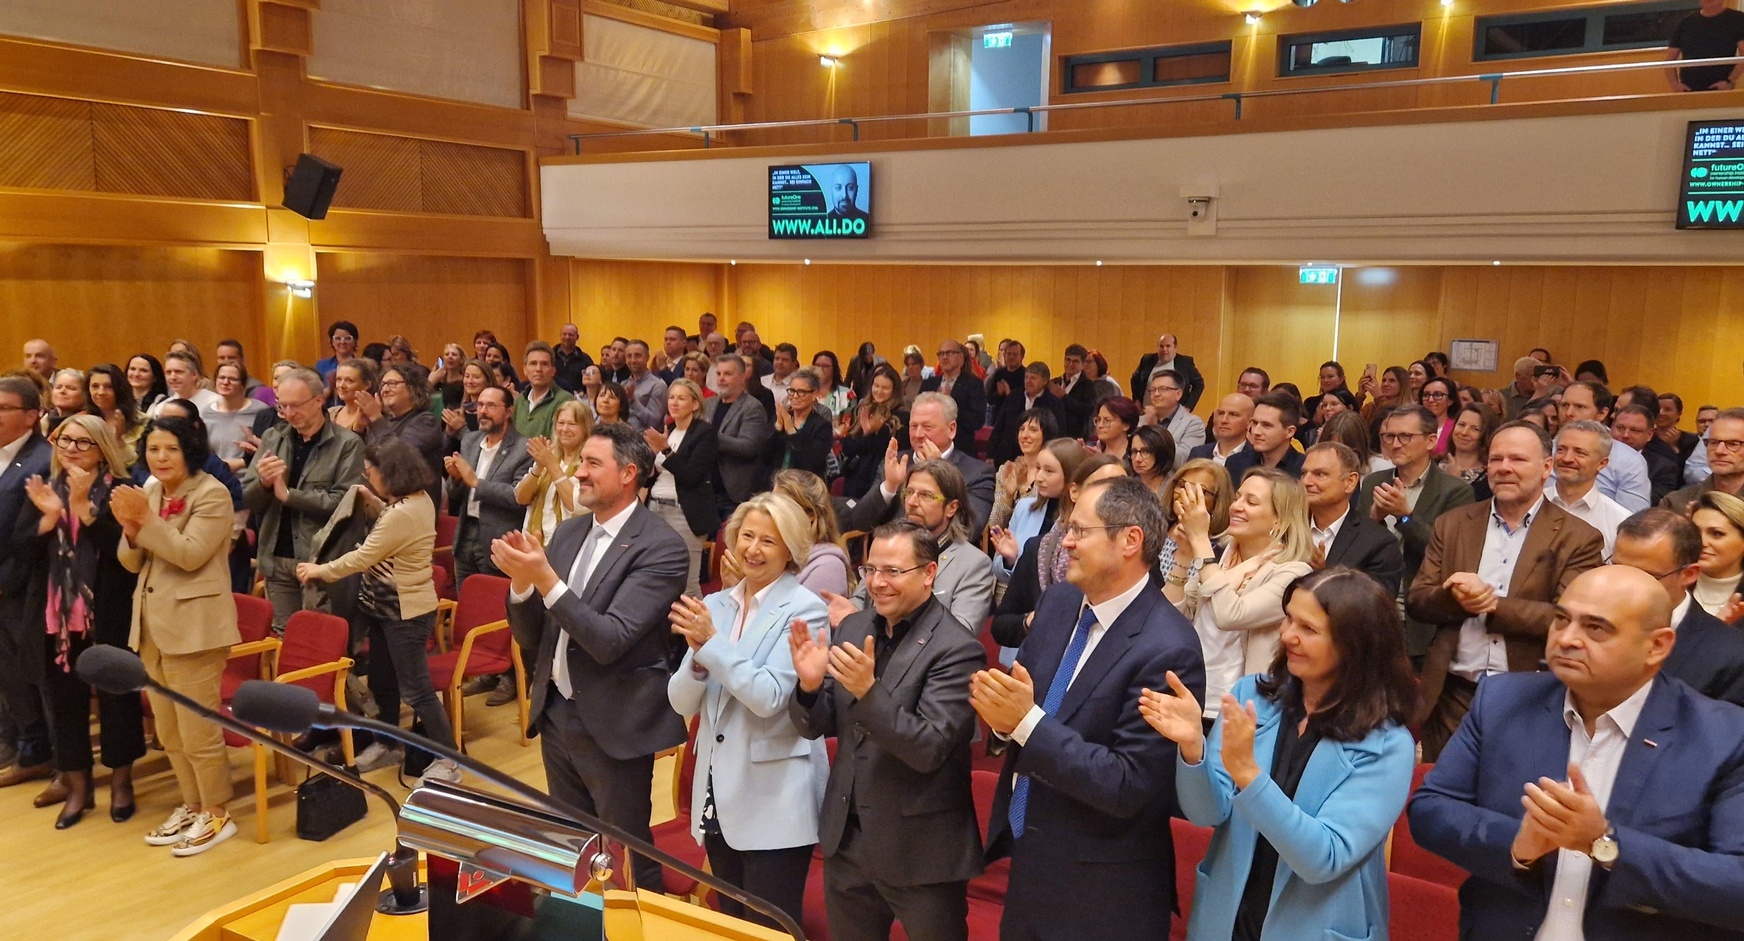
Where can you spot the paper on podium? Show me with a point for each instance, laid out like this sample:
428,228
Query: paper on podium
306,921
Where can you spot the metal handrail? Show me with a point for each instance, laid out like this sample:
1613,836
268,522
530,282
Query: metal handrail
1494,79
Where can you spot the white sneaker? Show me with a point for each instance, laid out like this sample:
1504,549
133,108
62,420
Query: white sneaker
442,770
208,831
170,831
378,756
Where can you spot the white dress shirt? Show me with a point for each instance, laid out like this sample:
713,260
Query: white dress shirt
665,487
579,573
1595,509
1480,652
487,457
1323,538
1106,613
1598,758
10,452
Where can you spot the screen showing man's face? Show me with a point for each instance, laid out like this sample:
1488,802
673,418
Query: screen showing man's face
844,190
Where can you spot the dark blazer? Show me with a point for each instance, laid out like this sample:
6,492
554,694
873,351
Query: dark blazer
1206,450
808,448
1195,387
1023,592
1664,469
1013,379
16,568
903,761
1709,656
1247,457
1076,406
1097,860
1441,492
971,401
498,510
1677,805
691,466
872,509
617,634
741,434
1002,444
1558,547
1370,548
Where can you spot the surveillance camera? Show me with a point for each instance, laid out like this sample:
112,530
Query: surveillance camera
1198,206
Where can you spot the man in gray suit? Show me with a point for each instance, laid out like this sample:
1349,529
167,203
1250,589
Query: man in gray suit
898,830
302,469
492,460
741,430
932,429
936,498
596,637
1408,499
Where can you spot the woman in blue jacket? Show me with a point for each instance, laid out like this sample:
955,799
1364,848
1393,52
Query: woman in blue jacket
758,783
1304,773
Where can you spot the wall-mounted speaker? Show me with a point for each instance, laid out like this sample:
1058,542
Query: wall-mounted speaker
309,188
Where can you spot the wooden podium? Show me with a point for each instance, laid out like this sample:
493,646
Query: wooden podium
638,916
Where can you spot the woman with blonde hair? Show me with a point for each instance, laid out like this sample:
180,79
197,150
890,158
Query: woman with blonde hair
548,490
759,784
1236,601
1719,517
685,456
1214,486
81,596
826,568
354,387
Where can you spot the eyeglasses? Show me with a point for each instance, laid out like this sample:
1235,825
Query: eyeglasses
1396,437
1434,395
1076,532
1135,452
1725,444
924,496
9,409
1658,577
796,390
75,445
867,571
391,383
285,408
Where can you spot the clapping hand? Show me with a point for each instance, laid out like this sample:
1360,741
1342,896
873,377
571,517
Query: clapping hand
523,560
926,451
1004,542
539,449
1194,516
1239,722
1176,717
657,442
811,655
691,620
1567,814
732,570
368,405
853,667
1471,592
895,466
131,509
43,497
1389,500
460,470
1733,610
840,607
1002,699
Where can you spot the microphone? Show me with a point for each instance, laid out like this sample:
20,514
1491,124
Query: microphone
119,671
293,709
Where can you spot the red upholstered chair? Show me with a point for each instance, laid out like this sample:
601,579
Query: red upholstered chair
1191,845
673,836
446,526
482,646
1420,910
252,659
1407,858
711,579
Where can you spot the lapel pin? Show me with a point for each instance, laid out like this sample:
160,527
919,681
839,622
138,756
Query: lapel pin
1650,743
921,642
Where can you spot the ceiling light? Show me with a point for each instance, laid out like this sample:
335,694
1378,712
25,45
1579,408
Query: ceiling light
829,62
808,261
1252,17
1098,262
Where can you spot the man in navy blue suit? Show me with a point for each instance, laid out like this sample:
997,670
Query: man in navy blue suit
23,455
1601,800
1084,799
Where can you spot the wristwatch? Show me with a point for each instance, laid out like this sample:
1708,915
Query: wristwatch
1604,851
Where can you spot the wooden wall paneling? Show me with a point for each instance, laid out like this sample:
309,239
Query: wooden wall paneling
1285,327
46,143
432,300
154,152
636,299
1389,317
468,180
104,303
75,72
381,170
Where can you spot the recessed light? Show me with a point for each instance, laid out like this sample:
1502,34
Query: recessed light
733,261
808,261
1496,263
1098,262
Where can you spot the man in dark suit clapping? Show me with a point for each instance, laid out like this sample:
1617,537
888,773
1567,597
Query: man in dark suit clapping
596,635
898,832
1709,654
1087,789
1342,537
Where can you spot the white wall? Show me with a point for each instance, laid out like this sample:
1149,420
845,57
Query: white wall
1596,188
465,50
203,31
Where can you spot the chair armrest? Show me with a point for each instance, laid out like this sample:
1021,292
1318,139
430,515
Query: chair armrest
445,624
343,664
466,647
266,648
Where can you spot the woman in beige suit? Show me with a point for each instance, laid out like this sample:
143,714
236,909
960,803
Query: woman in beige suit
175,532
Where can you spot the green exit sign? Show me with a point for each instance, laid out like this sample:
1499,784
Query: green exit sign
996,41
1317,274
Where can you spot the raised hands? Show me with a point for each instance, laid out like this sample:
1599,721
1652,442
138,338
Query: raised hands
1239,721
811,654
692,621
1002,699
1177,717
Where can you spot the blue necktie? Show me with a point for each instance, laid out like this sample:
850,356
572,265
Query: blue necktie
1050,705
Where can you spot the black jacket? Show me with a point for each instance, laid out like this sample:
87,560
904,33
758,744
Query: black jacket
971,402
1370,548
1240,461
1190,393
691,466
1709,655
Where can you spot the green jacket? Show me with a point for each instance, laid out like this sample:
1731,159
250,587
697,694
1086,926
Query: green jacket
537,421
335,466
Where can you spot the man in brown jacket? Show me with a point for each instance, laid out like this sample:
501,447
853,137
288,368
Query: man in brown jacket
1489,577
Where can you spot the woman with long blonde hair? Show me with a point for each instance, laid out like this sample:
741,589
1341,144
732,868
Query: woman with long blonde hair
549,489
827,568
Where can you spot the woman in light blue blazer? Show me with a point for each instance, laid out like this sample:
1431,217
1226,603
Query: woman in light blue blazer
759,783
1304,772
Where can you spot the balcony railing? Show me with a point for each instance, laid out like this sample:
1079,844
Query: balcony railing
1236,99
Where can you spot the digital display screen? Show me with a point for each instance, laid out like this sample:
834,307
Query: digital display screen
820,201
1712,193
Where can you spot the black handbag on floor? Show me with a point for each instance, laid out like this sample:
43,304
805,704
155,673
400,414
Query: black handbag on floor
327,805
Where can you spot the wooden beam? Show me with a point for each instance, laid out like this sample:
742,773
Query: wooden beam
711,7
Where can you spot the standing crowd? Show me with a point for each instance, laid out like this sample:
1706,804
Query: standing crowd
854,584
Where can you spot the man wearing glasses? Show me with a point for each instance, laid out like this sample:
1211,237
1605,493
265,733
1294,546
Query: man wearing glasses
302,469
1163,408
1709,654
954,379
936,498
1724,443
898,831
1409,497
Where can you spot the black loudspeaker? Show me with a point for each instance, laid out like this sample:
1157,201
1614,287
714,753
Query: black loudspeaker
309,190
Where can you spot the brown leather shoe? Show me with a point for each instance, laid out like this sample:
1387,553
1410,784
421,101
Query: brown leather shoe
19,774
56,793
